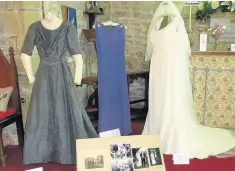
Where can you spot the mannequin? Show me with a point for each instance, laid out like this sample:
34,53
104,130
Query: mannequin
52,22
56,118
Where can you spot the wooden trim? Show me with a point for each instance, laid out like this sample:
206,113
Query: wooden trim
15,81
89,34
9,77
214,53
5,72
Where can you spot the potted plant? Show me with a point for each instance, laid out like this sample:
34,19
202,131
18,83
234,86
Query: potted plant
206,9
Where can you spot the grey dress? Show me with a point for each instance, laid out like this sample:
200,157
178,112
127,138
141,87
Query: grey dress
56,117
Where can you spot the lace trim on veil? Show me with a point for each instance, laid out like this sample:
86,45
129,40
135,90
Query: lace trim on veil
162,9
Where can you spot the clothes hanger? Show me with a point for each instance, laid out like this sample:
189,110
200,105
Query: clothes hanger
165,3
110,24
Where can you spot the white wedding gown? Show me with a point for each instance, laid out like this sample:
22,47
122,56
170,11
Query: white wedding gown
171,107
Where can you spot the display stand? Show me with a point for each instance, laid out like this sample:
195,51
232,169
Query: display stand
92,80
89,34
92,108
92,16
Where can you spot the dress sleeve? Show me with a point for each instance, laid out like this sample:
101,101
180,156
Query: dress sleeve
28,44
72,39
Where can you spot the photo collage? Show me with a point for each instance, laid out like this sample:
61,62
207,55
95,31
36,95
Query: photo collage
126,158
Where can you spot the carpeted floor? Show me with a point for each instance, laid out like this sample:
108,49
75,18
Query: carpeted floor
211,164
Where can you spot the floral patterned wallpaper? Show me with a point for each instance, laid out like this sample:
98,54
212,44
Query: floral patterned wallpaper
214,91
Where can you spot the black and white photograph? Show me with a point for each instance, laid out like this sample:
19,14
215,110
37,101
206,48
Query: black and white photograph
94,162
155,156
140,158
121,157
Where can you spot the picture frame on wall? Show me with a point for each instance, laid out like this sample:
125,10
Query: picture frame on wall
126,153
64,10
69,14
72,16
232,48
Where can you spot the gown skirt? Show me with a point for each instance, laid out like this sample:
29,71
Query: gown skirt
171,105
114,108
56,117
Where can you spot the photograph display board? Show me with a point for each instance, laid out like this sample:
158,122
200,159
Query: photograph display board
126,153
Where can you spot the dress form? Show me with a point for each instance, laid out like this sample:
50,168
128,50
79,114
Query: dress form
51,22
55,116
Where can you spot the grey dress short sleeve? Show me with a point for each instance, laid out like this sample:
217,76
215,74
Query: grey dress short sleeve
28,44
72,39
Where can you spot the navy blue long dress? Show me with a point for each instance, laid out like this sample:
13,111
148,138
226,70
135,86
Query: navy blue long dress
114,108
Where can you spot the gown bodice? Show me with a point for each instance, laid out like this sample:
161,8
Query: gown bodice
52,45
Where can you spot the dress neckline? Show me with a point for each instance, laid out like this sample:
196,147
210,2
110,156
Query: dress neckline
51,29
168,25
99,24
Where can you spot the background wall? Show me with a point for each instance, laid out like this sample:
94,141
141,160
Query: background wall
137,16
15,19
17,16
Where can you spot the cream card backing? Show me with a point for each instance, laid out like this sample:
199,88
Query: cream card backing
120,153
